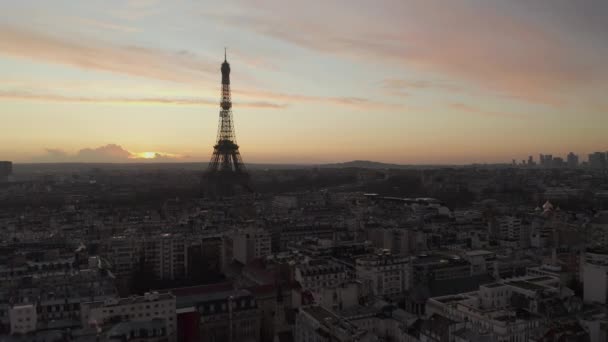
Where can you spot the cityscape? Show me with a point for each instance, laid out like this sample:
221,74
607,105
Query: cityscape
206,244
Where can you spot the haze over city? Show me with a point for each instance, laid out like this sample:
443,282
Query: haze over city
303,171
396,81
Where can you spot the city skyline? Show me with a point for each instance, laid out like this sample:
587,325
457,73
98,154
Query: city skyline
414,82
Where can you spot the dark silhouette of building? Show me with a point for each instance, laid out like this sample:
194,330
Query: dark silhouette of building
597,160
226,174
6,169
572,160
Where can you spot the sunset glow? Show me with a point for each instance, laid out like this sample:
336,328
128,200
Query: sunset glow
146,155
421,82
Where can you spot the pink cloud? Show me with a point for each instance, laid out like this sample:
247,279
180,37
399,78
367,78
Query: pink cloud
484,45
32,96
91,54
179,66
353,102
462,107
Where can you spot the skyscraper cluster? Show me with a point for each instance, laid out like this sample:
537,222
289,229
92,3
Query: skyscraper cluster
596,160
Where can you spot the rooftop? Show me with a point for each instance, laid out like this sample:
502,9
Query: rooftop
526,285
193,300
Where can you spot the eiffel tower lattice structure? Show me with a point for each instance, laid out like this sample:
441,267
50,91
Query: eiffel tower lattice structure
226,174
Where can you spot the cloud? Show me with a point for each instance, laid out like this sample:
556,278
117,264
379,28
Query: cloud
178,66
25,95
489,45
111,153
400,87
56,153
462,107
103,154
353,102
102,25
97,55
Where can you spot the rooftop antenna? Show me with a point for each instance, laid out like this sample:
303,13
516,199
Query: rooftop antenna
225,54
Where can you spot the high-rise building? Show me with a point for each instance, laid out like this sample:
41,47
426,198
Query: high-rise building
548,160
166,255
557,162
250,244
572,160
530,161
6,169
595,276
597,160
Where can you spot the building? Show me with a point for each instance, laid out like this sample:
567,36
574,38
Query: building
552,270
387,274
204,258
318,274
595,276
572,160
123,253
482,261
515,309
250,244
291,234
154,330
513,229
531,161
546,160
439,328
597,160
284,203
430,267
165,255
316,324
23,318
152,305
6,169
397,240
231,316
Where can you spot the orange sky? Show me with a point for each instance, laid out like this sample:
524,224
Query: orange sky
402,81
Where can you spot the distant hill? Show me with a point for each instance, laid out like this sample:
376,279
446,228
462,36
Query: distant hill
365,164
200,166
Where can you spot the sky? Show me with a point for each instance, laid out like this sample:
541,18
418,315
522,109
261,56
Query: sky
400,81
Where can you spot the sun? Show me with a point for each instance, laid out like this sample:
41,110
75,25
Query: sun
147,155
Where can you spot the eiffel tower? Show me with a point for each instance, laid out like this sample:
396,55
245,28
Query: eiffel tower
226,174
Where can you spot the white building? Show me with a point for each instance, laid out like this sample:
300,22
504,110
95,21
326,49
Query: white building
595,276
489,311
250,244
318,274
23,318
387,274
137,308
